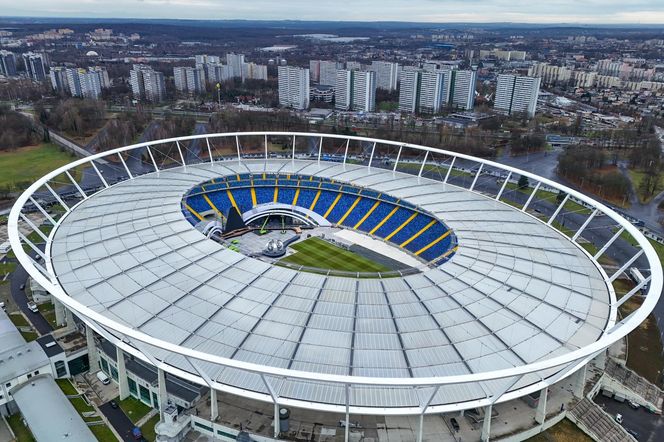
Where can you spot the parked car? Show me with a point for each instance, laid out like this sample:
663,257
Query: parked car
619,418
103,378
136,432
633,404
2,305
33,307
114,404
22,287
455,424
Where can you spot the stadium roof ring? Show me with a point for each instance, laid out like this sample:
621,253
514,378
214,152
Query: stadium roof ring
519,306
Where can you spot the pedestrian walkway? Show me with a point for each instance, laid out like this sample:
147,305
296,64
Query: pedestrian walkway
590,418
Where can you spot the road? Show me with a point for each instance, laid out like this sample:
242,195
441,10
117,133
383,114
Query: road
650,427
118,420
19,277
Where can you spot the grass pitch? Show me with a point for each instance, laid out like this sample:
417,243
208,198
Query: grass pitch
318,253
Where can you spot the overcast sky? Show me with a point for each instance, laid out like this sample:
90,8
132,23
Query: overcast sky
527,11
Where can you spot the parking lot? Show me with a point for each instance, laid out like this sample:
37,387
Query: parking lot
648,426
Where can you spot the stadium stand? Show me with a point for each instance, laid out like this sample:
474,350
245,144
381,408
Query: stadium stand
365,210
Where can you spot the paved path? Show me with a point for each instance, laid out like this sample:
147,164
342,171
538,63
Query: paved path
118,420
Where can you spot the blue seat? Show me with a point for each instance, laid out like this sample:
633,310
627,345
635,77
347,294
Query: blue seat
394,222
264,194
358,212
306,197
343,205
324,201
286,195
242,198
410,229
376,217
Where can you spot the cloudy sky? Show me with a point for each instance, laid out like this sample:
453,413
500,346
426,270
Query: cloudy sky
527,11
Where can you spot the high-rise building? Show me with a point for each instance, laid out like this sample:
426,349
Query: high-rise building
7,64
434,90
425,91
354,66
314,70
342,89
35,65
58,76
517,94
410,91
207,59
293,87
147,83
235,61
217,73
253,71
550,74
189,80
386,74
355,90
103,76
82,83
462,89
328,72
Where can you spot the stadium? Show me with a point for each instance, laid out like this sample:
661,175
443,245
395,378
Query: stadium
334,277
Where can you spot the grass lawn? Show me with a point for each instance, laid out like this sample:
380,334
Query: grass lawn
19,320
23,433
148,428
316,252
80,405
7,267
103,433
29,336
644,354
26,164
563,431
636,176
47,310
66,386
133,408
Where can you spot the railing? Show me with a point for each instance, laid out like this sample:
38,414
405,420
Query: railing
57,193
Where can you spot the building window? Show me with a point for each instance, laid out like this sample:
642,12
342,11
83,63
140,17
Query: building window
60,369
104,365
36,372
132,387
145,394
8,384
155,401
29,375
205,427
114,373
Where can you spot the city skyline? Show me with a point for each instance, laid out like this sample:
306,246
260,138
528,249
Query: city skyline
433,11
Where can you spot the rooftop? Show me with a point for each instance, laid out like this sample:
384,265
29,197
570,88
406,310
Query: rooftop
516,291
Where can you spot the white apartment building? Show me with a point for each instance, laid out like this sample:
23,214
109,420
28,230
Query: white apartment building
189,80
253,71
462,89
355,90
327,71
409,92
386,74
517,94
146,83
293,87
550,74
235,62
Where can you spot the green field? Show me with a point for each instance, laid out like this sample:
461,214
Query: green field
26,164
318,253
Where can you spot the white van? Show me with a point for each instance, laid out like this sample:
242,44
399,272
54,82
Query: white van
103,378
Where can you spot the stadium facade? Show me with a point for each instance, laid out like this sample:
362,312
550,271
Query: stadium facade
500,300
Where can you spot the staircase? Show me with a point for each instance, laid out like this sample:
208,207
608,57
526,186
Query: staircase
597,424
